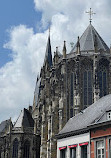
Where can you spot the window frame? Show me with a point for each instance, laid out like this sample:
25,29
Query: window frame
15,150
86,85
109,138
95,146
71,148
26,146
61,152
86,149
102,86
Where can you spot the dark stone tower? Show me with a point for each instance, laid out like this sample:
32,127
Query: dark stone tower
69,84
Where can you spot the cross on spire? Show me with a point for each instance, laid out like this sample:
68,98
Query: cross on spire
90,14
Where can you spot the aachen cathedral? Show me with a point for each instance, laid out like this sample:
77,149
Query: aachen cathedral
67,84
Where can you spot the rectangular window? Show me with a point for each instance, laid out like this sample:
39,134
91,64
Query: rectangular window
84,151
100,149
109,148
72,152
63,153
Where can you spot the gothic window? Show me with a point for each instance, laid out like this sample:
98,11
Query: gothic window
103,81
72,83
71,113
87,87
15,149
72,89
26,149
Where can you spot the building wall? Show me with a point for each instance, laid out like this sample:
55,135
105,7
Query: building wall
82,138
100,134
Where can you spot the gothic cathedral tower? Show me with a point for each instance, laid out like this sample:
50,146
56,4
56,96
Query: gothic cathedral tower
68,84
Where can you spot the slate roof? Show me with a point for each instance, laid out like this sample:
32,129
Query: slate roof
48,54
4,124
87,117
87,41
25,119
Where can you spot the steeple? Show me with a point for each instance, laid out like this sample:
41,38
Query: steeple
48,54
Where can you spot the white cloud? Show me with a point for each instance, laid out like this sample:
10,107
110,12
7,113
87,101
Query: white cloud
68,20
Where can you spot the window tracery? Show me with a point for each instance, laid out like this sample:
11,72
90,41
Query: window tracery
15,148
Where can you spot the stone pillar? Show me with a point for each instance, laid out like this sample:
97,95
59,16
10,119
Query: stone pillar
21,147
60,113
95,77
110,73
49,132
76,89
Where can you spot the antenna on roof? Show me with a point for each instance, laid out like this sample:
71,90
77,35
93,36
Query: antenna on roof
90,14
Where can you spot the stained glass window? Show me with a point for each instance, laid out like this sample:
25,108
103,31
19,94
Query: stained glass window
26,149
103,82
72,89
15,149
87,86
71,113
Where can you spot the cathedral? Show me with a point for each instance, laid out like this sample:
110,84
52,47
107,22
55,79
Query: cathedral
68,83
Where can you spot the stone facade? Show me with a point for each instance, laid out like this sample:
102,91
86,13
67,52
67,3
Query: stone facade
68,84
19,140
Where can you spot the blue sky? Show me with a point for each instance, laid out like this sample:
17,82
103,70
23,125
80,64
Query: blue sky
23,39
13,13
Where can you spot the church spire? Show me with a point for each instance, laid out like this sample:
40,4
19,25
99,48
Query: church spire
48,54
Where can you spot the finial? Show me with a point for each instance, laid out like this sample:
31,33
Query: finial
64,50
78,46
56,49
78,43
90,14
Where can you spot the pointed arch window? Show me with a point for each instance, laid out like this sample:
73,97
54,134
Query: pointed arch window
87,87
72,89
15,149
26,149
103,81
